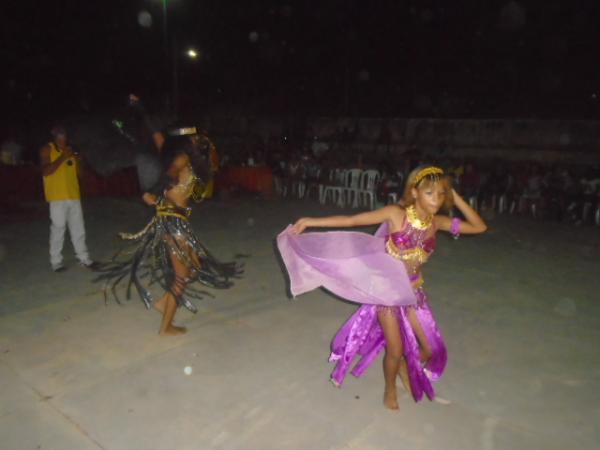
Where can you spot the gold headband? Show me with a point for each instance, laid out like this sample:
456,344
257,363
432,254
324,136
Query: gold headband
431,170
186,131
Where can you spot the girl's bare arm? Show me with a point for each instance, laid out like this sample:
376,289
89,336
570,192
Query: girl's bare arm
390,213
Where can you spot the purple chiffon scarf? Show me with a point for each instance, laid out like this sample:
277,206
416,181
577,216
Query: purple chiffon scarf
353,265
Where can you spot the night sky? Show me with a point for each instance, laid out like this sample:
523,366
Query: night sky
411,58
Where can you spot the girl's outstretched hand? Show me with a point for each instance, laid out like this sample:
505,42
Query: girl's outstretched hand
300,225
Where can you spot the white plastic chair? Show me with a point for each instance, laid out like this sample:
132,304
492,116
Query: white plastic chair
473,203
312,184
352,179
368,186
323,186
301,188
334,190
502,203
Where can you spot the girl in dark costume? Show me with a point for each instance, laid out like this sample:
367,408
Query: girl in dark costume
167,251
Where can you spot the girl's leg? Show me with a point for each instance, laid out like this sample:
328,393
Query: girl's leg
425,348
168,304
166,326
393,355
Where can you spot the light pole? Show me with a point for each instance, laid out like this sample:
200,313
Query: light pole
165,25
172,60
170,64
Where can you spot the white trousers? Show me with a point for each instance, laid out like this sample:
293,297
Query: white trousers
63,214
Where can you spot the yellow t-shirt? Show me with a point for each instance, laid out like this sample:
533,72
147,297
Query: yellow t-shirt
63,183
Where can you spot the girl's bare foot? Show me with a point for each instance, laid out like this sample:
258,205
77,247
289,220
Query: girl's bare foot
173,331
390,399
160,305
403,373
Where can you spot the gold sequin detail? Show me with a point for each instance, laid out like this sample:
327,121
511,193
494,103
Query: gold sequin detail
418,282
413,219
193,187
415,255
139,234
168,210
198,191
186,187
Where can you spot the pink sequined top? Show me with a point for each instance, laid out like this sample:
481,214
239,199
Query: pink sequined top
413,247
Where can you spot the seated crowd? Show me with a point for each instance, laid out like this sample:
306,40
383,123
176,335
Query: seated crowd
559,192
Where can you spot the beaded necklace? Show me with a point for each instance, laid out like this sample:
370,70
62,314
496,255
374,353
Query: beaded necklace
413,219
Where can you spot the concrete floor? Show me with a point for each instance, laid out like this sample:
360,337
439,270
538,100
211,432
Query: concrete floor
519,308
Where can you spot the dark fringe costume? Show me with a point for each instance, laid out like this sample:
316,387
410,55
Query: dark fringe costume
148,260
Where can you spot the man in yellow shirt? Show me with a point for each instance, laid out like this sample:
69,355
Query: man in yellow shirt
60,168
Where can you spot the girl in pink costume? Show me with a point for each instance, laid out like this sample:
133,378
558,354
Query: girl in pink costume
383,274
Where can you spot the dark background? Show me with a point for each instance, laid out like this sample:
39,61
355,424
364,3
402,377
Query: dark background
407,58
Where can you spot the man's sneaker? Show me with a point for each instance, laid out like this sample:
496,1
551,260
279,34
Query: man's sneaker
91,265
59,268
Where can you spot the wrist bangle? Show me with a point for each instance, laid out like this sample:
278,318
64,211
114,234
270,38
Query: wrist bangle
455,227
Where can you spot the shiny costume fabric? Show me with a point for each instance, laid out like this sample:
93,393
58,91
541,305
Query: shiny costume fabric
148,260
353,265
360,268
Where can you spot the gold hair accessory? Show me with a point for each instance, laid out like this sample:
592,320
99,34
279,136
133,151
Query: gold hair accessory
186,131
431,170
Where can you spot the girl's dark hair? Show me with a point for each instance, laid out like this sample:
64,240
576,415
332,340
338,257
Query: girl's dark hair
172,148
177,145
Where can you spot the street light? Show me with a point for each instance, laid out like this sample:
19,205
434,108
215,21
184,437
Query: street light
171,56
192,53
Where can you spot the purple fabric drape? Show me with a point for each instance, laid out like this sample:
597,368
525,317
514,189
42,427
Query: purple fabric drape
361,336
352,265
